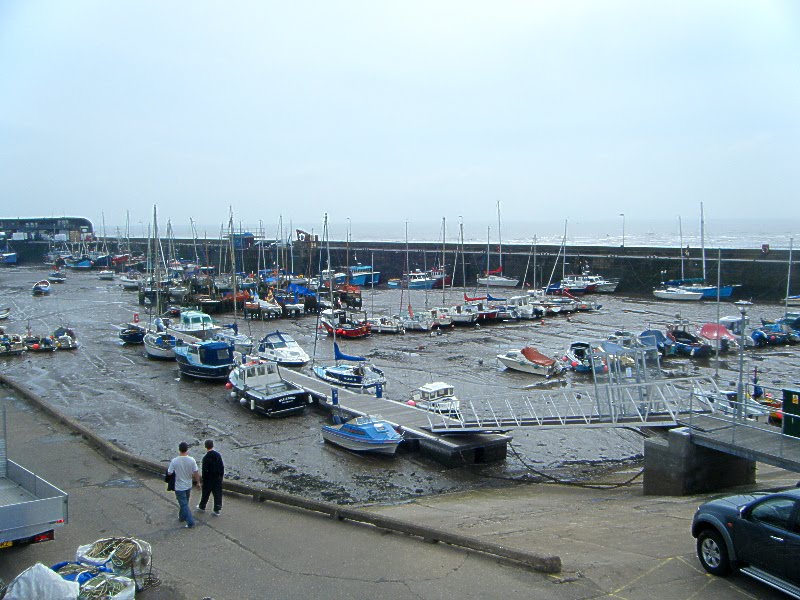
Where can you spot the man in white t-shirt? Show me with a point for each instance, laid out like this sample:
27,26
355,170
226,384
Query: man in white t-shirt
186,475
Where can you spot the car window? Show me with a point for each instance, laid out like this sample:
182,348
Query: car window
775,511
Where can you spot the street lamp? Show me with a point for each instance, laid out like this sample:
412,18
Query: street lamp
623,228
742,305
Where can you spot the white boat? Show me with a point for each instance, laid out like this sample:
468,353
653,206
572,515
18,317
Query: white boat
436,396
4,312
497,281
676,293
160,345
525,308
530,360
242,343
129,282
195,323
106,275
282,348
495,278
383,324
259,386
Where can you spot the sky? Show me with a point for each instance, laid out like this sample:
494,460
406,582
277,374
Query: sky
386,113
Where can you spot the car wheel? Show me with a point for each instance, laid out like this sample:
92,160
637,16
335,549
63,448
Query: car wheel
713,553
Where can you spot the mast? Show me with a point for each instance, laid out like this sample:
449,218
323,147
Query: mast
156,263
788,279
500,240
680,232
703,240
463,265
406,277
444,273
488,236
232,249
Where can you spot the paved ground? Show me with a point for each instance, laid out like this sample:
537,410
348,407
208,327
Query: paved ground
613,543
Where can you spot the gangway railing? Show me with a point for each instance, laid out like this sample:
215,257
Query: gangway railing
662,402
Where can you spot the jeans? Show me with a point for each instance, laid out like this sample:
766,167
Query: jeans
184,513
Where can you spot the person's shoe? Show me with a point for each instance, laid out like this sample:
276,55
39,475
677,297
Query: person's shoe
200,508
216,513
187,526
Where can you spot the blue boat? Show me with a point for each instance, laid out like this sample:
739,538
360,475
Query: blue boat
364,434
698,285
773,335
364,275
582,358
686,343
131,333
41,288
653,338
209,360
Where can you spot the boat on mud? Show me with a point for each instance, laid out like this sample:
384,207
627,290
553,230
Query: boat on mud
259,386
208,360
530,360
282,348
355,373
364,434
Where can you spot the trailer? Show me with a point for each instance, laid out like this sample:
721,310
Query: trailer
30,507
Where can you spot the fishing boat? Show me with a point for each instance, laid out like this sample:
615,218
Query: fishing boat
364,434
530,360
39,343
677,293
416,280
773,335
209,360
360,375
41,288
363,275
344,324
282,348
438,397
11,344
195,323
259,386
582,358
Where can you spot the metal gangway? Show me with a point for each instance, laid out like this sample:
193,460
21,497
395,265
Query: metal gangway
628,389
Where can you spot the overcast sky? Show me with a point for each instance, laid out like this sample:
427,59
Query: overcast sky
387,112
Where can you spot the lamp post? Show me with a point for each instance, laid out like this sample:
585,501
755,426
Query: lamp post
740,398
623,228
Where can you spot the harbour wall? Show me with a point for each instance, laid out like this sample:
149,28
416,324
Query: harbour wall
761,273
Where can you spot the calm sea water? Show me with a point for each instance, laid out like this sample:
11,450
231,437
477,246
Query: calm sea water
719,233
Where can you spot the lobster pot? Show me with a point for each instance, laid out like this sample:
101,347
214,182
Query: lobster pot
107,586
79,572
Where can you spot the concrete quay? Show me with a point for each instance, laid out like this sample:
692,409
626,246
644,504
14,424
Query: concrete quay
612,542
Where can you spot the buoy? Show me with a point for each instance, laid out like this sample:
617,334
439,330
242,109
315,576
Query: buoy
228,385
36,346
411,403
135,317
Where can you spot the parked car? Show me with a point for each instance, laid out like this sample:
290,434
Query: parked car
758,534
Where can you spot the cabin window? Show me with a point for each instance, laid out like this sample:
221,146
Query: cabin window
222,354
261,370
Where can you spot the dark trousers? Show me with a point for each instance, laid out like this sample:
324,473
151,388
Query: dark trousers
212,487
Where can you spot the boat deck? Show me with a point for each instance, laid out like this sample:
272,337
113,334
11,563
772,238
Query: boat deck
416,423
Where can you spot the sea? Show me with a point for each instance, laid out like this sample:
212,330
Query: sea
668,233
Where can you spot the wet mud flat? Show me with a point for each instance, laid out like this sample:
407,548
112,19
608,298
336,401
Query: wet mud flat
146,408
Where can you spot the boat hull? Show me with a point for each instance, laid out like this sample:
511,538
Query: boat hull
333,435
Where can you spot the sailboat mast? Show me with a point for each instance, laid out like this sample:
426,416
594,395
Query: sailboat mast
444,273
500,240
680,233
233,259
463,264
703,239
788,278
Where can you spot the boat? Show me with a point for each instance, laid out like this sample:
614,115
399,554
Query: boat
11,344
242,343
361,375
41,288
129,281
530,360
4,313
57,277
195,323
160,345
384,324
715,333
209,360
582,358
106,275
363,275
65,339
677,293
415,280
344,324
282,348
773,335
438,397
412,321
8,257
363,434
132,333
686,343
266,307
39,343
259,385
495,277
524,308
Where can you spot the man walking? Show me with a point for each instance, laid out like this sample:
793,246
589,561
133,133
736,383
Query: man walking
186,475
213,473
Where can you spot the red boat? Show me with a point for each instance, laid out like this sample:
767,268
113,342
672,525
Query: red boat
344,324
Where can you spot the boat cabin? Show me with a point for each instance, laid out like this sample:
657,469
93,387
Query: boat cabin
433,391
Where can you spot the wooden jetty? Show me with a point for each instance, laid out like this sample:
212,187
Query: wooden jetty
416,423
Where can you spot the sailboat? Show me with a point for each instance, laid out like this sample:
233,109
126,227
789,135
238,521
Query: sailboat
790,300
495,278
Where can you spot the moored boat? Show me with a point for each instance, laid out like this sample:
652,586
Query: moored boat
530,360
436,396
41,288
195,323
132,333
676,293
360,375
160,345
207,360
282,348
582,358
364,434
259,386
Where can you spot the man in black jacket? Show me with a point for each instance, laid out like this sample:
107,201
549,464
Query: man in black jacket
213,472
